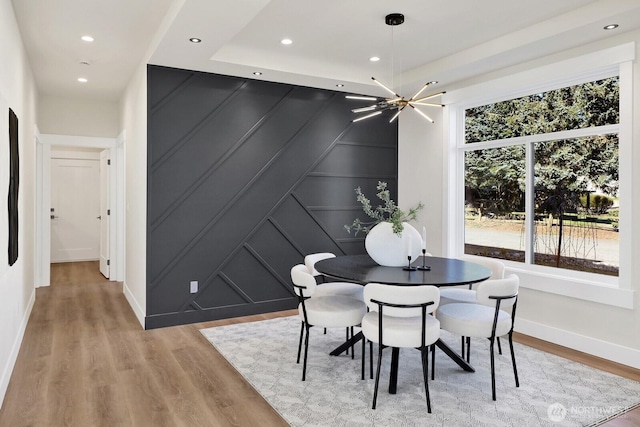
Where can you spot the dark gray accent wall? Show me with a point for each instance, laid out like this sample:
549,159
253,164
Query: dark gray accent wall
246,177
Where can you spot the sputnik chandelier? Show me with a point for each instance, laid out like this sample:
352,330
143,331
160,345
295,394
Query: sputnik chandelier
395,102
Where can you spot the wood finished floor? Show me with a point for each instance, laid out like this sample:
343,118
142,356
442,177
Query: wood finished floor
85,361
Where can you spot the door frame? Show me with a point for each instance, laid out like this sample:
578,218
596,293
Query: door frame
44,142
103,251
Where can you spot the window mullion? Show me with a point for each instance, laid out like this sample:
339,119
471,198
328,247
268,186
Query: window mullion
543,137
529,204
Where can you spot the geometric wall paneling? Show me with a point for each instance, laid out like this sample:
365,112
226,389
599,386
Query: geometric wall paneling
245,268
303,228
360,161
224,138
276,247
244,178
219,293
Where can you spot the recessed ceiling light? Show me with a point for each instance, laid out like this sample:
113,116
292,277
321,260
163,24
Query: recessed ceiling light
339,85
374,59
257,73
82,80
611,26
286,41
87,38
195,40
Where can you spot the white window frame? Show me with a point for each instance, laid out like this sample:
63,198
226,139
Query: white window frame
610,290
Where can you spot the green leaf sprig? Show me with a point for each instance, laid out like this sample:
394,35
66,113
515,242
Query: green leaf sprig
388,211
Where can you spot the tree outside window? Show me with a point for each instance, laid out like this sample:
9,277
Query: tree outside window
575,180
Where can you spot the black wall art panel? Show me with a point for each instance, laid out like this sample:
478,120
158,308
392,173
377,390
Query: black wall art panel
14,181
245,178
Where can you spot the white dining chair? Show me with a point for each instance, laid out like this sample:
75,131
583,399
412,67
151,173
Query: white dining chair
400,316
467,294
329,311
488,318
328,286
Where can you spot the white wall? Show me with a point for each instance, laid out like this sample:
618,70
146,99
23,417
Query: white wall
17,291
421,168
603,330
78,117
133,123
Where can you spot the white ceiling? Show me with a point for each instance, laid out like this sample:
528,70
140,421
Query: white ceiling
440,40
51,31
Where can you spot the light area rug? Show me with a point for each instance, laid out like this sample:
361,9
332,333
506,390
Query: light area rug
553,391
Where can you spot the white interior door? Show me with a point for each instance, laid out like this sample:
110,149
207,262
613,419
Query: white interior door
105,214
75,210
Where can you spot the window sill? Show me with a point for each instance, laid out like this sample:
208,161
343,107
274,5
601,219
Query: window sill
577,285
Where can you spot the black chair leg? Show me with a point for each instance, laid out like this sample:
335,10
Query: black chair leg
375,389
300,341
353,353
371,359
363,351
306,348
493,371
346,330
499,346
425,374
513,361
325,331
468,349
433,361
462,346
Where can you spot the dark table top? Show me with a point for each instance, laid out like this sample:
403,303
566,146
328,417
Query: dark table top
444,271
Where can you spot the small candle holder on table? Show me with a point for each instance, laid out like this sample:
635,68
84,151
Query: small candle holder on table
423,267
409,267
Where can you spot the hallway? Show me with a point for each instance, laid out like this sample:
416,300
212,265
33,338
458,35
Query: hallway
85,361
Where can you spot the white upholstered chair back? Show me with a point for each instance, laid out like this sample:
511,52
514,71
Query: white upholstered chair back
300,276
401,295
498,288
311,259
496,266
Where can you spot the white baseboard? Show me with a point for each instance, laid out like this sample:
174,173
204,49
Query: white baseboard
135,306
596,347
15,349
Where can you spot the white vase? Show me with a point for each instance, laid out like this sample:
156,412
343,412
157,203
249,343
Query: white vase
389,249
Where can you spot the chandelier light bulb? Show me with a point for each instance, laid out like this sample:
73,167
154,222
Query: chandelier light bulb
367,116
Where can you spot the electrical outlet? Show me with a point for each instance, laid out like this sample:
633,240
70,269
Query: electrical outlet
194,286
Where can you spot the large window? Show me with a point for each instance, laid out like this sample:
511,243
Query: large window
541,178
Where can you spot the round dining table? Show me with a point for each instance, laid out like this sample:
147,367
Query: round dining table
437,271
428,270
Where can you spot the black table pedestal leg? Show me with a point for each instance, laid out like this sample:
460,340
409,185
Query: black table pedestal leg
350,342
454,356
